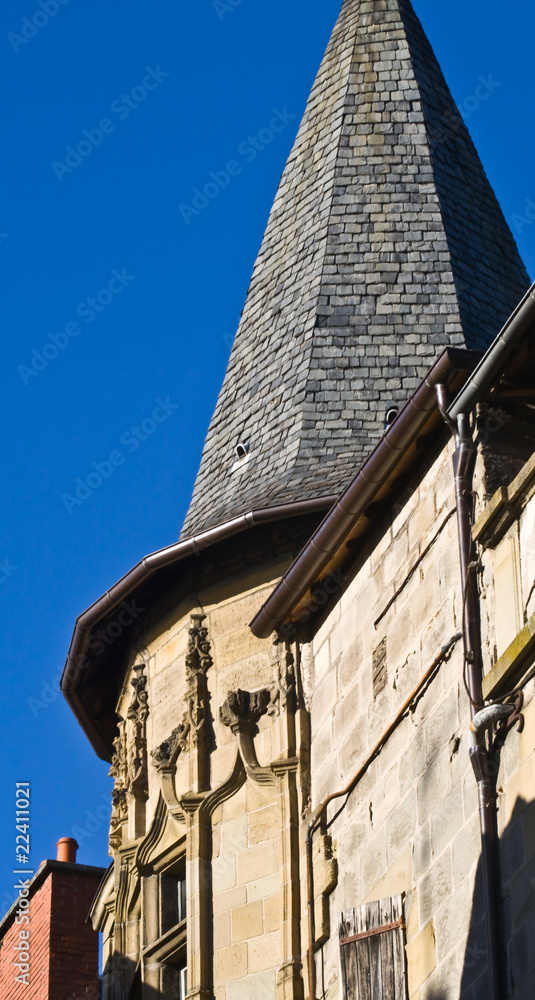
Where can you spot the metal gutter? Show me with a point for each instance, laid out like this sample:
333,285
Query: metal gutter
78,657
358,496
518,324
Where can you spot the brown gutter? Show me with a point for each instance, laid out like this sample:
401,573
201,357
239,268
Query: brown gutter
360,493
78,658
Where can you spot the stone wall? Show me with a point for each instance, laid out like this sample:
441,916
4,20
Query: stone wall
233,723
411,824
221,730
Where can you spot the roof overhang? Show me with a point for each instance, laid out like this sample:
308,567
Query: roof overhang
91,670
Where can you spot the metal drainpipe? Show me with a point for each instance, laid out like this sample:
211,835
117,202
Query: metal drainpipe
485,774
482,761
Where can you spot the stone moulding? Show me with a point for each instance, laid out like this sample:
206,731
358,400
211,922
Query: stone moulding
146,860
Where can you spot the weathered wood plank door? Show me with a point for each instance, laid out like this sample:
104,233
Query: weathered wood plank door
372,951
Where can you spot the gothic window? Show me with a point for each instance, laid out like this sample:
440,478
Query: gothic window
372,951
173,927
183,983
164,952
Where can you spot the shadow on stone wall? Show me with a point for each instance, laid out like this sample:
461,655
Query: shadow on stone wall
517,878
517,874
121,980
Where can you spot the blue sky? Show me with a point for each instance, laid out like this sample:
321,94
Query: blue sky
118,302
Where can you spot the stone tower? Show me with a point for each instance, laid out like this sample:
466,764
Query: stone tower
384,245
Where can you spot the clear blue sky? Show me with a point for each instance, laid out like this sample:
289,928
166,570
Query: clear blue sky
163,328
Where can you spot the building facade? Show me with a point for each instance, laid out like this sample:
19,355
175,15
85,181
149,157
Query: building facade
317,703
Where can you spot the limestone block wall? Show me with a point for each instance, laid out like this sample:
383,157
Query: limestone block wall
246,882
220,801
411,824
239,661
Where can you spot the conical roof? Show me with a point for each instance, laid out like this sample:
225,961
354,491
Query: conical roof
385,244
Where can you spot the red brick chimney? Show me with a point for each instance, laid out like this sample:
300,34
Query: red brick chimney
48,950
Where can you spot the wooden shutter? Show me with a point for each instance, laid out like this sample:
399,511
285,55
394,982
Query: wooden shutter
372,951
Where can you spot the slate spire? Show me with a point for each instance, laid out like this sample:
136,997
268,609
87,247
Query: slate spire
385,244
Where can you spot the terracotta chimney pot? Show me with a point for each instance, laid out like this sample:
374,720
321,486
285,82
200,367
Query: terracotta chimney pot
67,848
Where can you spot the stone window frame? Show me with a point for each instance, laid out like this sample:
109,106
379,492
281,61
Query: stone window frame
501,514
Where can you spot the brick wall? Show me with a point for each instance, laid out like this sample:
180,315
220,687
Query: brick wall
73,942
38,925
63,948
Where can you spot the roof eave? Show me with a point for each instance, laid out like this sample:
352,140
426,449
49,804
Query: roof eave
79,657
381,465
329,537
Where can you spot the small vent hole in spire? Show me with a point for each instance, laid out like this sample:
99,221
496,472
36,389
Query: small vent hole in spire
241,453
390,416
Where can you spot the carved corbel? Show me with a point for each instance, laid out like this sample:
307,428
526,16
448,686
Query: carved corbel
164,759
241,712
166,754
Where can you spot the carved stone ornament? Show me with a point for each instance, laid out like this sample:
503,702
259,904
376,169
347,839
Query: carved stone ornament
241,712
118,770
138,710
129,762
166,754
283,692
242,709
119,816
198,661
325,881
198,653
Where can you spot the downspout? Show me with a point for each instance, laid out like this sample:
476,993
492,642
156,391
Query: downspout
482,719
485,773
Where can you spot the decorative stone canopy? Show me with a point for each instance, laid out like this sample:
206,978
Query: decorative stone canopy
385,244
